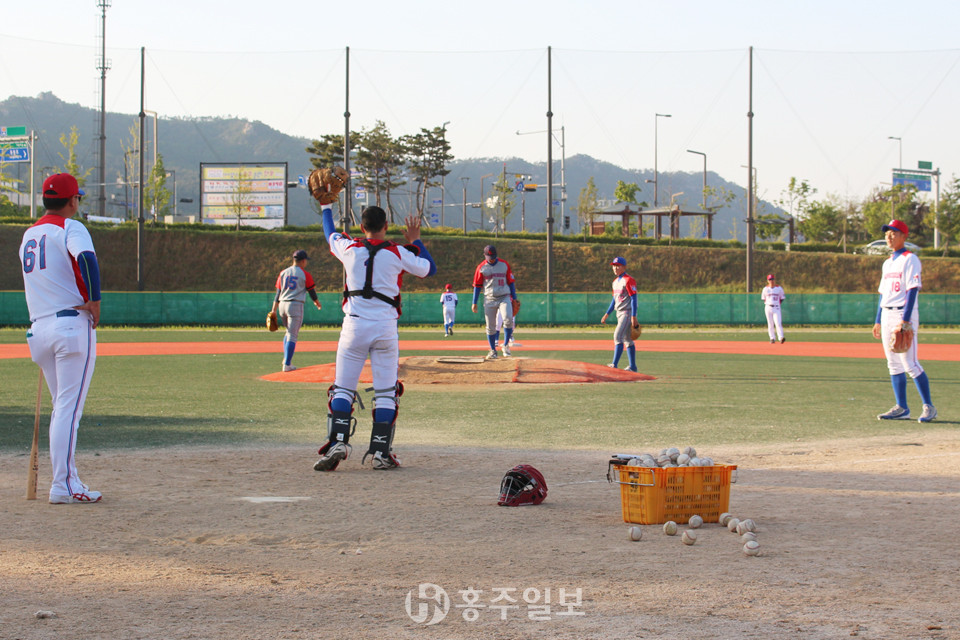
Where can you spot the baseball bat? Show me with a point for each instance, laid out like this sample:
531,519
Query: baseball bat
35,448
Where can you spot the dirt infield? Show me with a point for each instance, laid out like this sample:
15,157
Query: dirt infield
474,370
857,540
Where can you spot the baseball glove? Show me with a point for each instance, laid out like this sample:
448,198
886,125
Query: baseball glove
635,331
516,307
325,184
901,338
271,321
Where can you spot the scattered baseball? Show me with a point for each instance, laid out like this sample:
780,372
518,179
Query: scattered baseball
635,533
732,524
751,548
748,525
670,528
695,522
741,527
724,518
689,537
748,536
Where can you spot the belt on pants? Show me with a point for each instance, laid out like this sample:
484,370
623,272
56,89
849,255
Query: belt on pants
67,313
893,308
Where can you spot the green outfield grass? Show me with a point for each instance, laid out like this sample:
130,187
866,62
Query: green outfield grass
701,399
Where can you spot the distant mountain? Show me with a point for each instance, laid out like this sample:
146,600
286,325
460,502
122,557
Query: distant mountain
185,143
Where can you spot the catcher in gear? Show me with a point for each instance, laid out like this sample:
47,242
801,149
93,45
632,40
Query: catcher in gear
898,321
522,485
325,184
625,302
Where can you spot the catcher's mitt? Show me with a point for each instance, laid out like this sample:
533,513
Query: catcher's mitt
325,184
272,321
901,338
516,307
635,331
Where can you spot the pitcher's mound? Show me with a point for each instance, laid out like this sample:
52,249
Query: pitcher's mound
474,370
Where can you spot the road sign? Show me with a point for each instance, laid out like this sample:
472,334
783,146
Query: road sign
436,202
519,185
919,180
923,164
302,181
12,131
15,151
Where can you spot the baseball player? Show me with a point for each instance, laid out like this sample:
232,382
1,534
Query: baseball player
374,267
293,285
625,302
495,278
772,297
449,301
61,280
513,335
899,286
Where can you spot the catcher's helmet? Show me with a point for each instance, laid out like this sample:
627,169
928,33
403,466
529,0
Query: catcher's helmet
522,485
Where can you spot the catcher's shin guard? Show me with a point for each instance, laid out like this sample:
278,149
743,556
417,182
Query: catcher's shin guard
340,426
381,441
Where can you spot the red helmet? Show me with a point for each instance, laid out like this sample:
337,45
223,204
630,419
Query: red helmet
522,485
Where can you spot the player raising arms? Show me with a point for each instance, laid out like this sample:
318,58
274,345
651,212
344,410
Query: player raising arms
495,278
899,286
625,302
374,269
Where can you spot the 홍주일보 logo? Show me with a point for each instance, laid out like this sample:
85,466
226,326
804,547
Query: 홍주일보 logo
432,604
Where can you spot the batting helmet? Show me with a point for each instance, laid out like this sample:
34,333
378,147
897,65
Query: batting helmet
522,485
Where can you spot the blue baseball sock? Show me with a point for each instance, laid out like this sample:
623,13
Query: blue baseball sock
289,346
632,355
340,404
507,335
899,383
384,415
492,339
617,352
923,386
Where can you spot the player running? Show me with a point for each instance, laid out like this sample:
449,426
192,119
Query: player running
495,278
625,302
374,268
899,286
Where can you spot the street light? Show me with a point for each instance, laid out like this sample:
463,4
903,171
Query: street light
656,173
465,180
900,145
443,167
701,153
482,178
563,159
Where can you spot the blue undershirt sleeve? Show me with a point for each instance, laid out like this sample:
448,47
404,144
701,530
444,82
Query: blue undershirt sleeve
90,272
328,226
426,254
633,305
613,302
879,310
476,294
911,301
513,290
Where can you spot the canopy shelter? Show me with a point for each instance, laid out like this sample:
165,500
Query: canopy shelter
623,211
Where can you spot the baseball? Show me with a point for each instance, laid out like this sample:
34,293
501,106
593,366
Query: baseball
751,548
748,525
670,528
732,524
635,533
695,461
695,522
724,518
690,451
634,462
748,536
689,537
683,460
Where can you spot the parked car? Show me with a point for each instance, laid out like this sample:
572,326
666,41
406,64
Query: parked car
879,248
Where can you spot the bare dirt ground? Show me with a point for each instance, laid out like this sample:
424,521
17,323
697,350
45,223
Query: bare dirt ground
858,539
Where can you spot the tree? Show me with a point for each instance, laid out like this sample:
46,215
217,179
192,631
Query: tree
70,165
587,204
380,159
795,197
822,222
899,203
627,192
948,217
503,194
427,154
241,197
155,191
328,152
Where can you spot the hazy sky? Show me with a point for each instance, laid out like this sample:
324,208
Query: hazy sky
832,81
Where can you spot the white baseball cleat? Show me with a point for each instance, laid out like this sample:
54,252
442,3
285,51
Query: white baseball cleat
506,350
612,366
288,367
896,413
329,460
385,462
80,497
929,413
492,355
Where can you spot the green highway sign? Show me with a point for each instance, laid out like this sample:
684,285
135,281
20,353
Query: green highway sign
923,164
12,131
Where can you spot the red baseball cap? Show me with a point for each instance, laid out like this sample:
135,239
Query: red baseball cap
448,287
896,225
770,277
61,185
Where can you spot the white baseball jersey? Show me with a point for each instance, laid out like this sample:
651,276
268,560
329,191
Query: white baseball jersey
389,266
51,277
293,283
449,300
772,296
900,274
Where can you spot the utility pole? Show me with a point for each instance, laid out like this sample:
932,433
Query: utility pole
103,65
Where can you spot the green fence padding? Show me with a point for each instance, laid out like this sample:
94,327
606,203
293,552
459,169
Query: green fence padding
246,308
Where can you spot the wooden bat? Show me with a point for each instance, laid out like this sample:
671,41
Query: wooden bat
35,448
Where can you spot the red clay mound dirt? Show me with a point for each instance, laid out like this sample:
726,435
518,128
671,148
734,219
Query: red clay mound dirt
472,370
